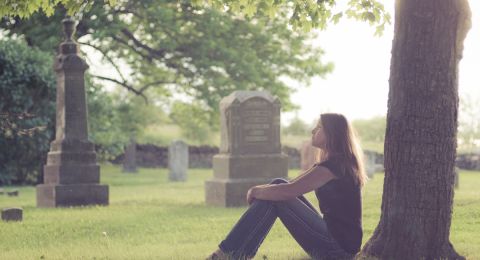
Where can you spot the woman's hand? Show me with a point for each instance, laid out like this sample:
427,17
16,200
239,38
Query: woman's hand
251,195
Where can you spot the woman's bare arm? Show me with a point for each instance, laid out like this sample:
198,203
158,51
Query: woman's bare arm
302,174
309,181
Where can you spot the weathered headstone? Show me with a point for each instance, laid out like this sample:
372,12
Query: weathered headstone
71,175
250,150
2,191
13,193
12,214
130,158
370,163
178,161
308,155
457,178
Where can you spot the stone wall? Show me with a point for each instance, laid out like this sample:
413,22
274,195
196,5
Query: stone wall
152,156
468,161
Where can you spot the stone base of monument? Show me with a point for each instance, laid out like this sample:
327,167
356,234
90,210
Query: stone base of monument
230,193
235,174
60,195
226,166
70,174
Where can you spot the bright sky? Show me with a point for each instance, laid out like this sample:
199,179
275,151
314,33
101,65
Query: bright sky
358,87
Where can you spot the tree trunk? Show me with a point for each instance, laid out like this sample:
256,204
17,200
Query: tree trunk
420,141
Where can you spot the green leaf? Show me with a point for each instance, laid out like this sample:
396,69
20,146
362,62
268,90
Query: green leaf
336,17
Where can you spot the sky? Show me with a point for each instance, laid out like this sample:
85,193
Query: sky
362,68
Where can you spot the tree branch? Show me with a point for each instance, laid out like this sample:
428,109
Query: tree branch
153,52
159,82
127,11
122,41
125,85
110,60
138,92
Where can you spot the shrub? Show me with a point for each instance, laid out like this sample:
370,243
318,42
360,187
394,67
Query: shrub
27,106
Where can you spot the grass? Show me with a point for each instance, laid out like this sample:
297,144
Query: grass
151,218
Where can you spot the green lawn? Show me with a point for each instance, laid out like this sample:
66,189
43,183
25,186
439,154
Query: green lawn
150,218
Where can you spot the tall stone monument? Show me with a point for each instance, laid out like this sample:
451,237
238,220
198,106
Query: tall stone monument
178,161
250,150
130,157
71,175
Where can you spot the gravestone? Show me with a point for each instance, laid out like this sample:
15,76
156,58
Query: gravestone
71,175
308,155
250,149
13,193
2,191
130,158
178,161
457,178
12,214
370,163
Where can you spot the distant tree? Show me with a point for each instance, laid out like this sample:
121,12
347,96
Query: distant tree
192,120
297,127
469,123
372,129
114,118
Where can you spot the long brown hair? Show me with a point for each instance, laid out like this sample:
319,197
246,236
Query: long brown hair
342,145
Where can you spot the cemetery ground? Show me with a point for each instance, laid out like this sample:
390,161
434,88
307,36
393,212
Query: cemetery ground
151,218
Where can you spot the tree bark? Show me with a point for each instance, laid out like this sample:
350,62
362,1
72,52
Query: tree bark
420,141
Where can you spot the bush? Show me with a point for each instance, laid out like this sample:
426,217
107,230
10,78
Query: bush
27,105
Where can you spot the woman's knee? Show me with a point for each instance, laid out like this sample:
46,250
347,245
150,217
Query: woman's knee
278,181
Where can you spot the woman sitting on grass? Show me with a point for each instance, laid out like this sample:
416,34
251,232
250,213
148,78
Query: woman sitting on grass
337,180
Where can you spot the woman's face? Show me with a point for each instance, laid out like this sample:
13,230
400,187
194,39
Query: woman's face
319,139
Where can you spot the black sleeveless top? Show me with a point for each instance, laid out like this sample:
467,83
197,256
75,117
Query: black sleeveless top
341,205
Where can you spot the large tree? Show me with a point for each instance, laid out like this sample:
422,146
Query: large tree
421,135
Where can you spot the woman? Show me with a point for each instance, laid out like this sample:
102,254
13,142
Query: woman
337,180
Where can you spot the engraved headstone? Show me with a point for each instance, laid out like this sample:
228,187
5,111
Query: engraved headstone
12,214
308,155
71,175
2,191
130,158
178,161
250,150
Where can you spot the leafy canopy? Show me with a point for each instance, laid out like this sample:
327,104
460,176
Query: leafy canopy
25,8
307,14
177,49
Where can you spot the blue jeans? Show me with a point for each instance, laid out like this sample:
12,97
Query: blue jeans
301,219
